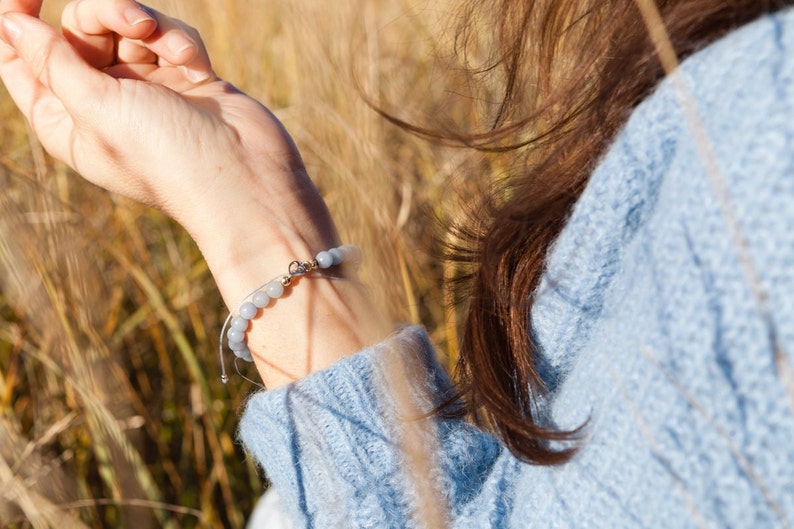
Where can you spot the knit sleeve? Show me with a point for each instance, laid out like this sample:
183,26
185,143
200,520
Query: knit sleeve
341,450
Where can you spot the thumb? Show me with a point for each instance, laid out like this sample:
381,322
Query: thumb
45,59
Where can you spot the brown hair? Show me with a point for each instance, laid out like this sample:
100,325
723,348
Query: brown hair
570,72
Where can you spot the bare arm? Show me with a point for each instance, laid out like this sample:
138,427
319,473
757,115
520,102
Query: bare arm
148,119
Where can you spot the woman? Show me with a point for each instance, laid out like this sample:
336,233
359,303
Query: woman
650,385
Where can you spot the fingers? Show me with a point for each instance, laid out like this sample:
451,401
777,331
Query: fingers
113,32
180,45
45,67
91,27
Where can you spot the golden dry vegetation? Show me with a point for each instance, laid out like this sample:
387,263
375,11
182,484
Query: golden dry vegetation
113,414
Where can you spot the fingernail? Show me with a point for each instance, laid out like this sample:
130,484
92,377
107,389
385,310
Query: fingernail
135,16
179,44
194,76
10,30
179,50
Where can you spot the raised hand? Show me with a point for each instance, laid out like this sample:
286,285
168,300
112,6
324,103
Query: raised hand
127,97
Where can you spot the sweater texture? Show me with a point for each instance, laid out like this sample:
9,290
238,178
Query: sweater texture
666,324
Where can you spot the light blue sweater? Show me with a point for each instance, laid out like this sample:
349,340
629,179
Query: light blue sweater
650,328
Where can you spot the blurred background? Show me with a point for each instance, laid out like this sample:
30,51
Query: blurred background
112,413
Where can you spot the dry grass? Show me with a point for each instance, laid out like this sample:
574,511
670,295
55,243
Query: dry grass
113,414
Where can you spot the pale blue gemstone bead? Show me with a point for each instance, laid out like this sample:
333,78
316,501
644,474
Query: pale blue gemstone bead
237,346
244,354
239,324
337,255
260,299
248,310
325,260
234,335
274,289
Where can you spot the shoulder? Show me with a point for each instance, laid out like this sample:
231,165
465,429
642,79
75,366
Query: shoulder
713,147
737,94
701,177
722,126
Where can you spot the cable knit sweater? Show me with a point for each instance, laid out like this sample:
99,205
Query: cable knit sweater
667,329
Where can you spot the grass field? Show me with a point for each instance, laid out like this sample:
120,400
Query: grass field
112,411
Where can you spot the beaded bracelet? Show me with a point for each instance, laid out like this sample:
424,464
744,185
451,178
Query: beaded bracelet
248,308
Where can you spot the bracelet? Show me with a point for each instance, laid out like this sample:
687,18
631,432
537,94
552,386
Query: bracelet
249,307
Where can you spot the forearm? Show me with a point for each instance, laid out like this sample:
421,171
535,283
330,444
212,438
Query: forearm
318,320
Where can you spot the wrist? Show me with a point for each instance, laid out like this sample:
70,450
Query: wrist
247,238
248,231
304,319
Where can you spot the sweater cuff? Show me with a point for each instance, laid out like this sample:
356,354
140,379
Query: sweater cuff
329,439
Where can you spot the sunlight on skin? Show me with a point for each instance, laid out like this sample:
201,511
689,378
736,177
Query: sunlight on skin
155,168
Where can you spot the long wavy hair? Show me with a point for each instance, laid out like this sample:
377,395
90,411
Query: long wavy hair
570,73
